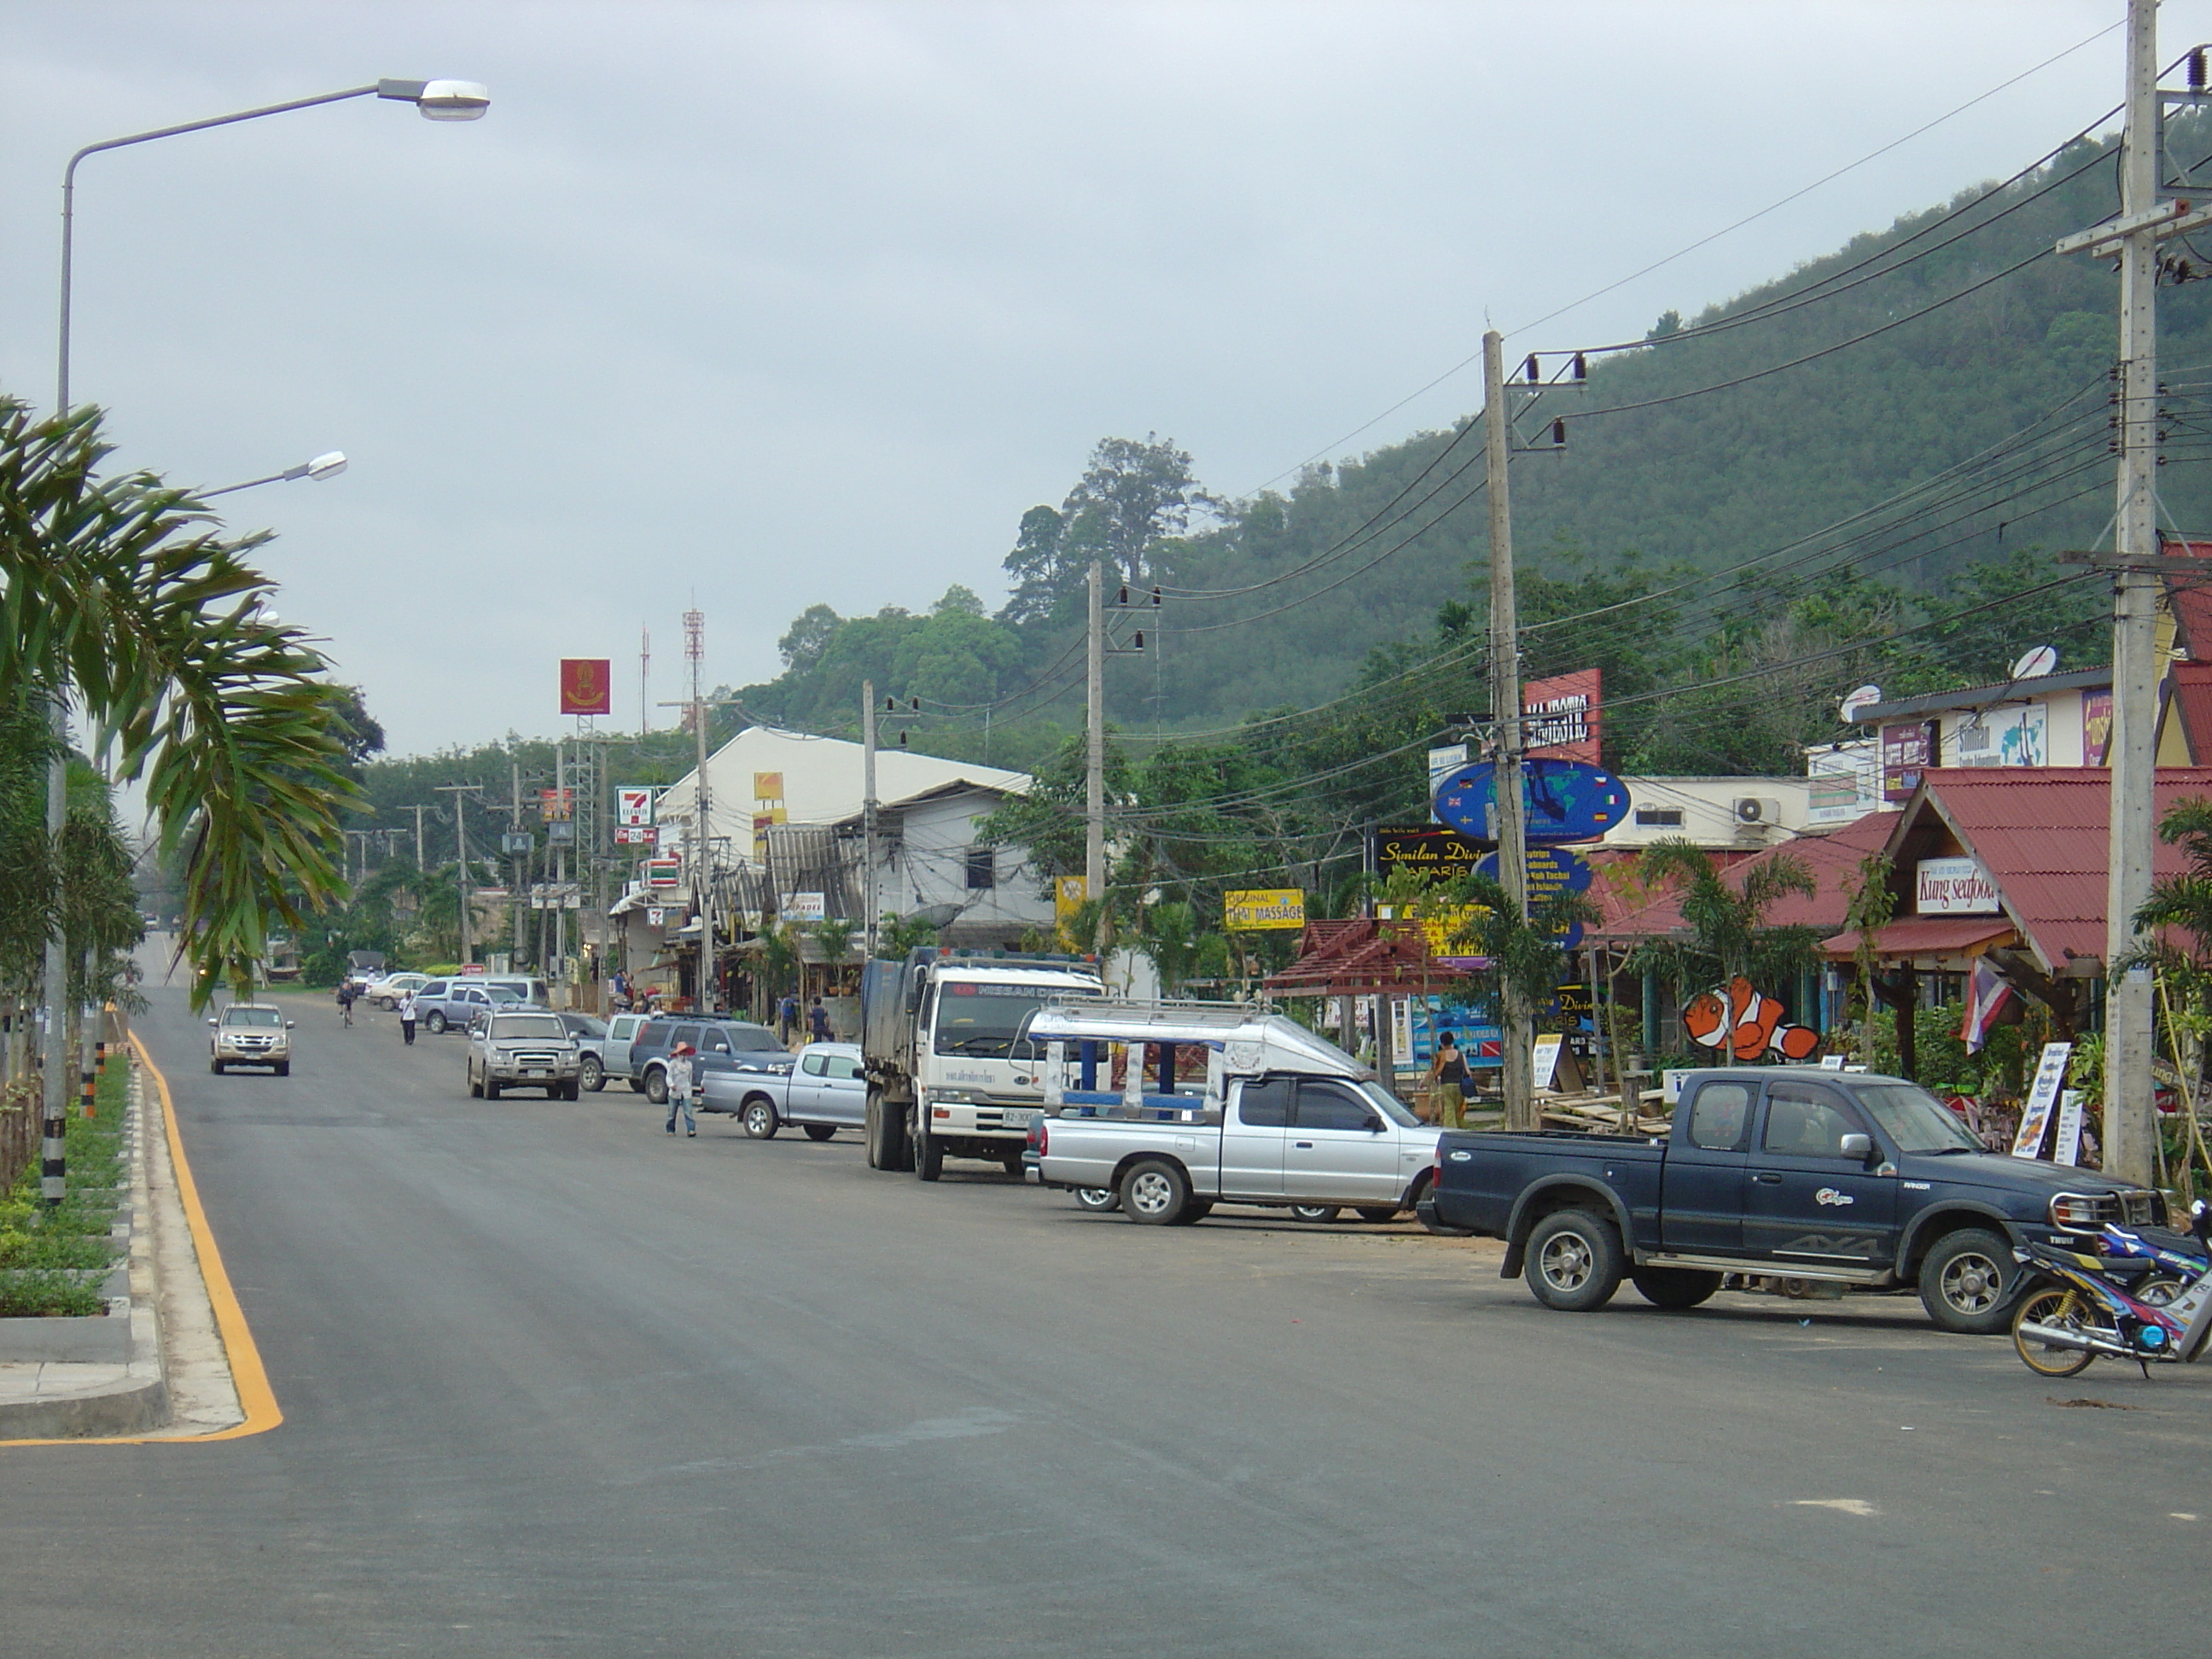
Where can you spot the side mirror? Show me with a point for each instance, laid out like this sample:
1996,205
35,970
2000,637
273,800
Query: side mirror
210,1019
1857,1146
289,1024
1376,1125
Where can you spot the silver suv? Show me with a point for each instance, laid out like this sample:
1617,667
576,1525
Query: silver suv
526,1050
250,1034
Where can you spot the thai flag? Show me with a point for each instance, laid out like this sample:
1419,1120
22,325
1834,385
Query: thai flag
1987,993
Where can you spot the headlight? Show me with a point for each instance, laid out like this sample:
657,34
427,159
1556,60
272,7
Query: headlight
2076,1210
952,1098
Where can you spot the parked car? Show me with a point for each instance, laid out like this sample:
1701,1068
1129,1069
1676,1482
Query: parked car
589,1033
250,1034
614,1053
530,990
1854,1181
448,1004
385,993
723,1045
362,967
527,1049
824,1092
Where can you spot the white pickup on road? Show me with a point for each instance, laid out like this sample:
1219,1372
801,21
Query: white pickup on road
1272,1115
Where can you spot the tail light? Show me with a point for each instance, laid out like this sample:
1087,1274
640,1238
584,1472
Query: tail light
1037,1136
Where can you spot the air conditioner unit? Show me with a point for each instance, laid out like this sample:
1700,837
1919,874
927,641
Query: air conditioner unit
1754,813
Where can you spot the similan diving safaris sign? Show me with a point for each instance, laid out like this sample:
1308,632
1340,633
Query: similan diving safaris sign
1263,907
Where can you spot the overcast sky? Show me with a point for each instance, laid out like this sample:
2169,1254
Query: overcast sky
773,305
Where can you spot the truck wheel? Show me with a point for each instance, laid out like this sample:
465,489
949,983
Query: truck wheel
636,1086
1155,1192
927,1151
1099,1200
216,1065
435,1024
283,1068
1967,1282
820,1131
760,1119
476,1089
1377,1212
1318,1215
490,1088
591,1074
572,1089
1574,1260
1012,1164
1673,1288
1197,1210
884,1131
656,1087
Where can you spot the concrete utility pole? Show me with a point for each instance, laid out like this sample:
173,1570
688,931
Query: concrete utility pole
420,864
868,902
520,864
1517,1019
461,846
1094,776
694,645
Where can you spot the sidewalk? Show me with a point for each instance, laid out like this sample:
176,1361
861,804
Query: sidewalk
174,1380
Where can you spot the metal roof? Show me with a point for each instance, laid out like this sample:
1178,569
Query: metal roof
1833,859
1981,696
1930,936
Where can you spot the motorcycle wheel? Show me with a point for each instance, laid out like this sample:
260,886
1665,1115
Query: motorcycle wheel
2058,1304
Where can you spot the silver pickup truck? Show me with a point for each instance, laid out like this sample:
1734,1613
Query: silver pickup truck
1273,1115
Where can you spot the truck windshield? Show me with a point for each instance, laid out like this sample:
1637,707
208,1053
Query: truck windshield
1390,1105
1914,1120
983,1021
252,1017
509,1028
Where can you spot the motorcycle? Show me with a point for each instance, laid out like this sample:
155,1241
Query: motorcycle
2142,1300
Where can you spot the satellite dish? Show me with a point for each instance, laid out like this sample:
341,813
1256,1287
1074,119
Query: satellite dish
1865,697
2034,664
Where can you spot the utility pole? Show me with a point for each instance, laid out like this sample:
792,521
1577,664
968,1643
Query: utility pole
420,864
868,902
1517,1019
461,846
1094,772
520,862
695,647
644,682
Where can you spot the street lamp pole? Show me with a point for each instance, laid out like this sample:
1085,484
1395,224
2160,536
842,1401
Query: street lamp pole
437,100
322,467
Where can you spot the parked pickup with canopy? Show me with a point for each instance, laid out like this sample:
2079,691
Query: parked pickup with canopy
1805,1180
1240,1107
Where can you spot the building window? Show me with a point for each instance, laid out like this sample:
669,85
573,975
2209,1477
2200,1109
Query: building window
1664,817
982,868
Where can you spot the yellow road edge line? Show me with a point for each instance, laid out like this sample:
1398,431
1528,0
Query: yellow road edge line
248,1376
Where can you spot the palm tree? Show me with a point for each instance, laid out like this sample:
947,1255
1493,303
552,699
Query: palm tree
1728,931
124,590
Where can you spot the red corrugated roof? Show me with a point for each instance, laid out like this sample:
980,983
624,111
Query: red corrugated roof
1350,958
1926,936
1634,912
2041,832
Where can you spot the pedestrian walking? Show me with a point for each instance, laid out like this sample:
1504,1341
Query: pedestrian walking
679,1089
1447,1083
407,1017
787,1012
345,999
817,1021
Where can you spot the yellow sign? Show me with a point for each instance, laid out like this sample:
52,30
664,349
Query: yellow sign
767,786
1068,895
1263,907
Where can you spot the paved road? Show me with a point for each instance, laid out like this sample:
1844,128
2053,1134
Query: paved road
555,1382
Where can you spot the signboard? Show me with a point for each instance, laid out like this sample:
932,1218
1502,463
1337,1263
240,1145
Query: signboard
2041,1099
633,808
1563,716
514,842
1439,855
1908,749
1547,1059
636,835
1846,779
2068,1150
2096,727
767,786
587,685
556,895
664,873
1564,800
1953,887
1443,762
561,832
805,906
1552,870
556,804
1473,1028
2018,736
1261,909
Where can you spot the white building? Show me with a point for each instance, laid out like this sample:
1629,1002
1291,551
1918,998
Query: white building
1713,812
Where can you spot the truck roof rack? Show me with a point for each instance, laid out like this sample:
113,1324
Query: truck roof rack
924,954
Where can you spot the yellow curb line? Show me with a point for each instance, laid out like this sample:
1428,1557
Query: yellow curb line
248,1374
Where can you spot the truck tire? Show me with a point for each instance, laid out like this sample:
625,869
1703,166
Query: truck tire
476,1089
656,1086
1099,1200
1574,1260
283,1068
636,1084
882,1128
928,1151
1155,1192
1376,1213
1967,1282
572,1089
1012,1164
591,1074
760,1119
820,1131
1317,1215
1196,1211
436,1025
216,1065
491,1087
1673,1288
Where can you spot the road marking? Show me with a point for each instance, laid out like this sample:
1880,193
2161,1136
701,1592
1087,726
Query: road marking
1848,1505
255,1397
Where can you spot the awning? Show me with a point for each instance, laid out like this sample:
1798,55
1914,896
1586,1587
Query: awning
1929,936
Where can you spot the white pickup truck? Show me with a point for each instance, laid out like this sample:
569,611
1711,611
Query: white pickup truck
1269,1114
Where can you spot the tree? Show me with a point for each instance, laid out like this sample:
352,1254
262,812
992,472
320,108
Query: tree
1728,931
807,640
122,588
1043,579
1130,498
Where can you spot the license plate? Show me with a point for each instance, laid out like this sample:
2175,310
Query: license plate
538,1071
1016,1119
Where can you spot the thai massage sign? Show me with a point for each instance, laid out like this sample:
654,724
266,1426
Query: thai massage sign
1954,887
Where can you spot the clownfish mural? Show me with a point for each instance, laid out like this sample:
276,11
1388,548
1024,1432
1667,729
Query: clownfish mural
1745,1023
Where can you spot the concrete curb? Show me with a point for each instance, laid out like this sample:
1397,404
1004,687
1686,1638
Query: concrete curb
75,1401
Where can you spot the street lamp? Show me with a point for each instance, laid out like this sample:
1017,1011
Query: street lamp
439,100
323,466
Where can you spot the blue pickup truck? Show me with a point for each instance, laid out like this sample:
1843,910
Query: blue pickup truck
1841,1180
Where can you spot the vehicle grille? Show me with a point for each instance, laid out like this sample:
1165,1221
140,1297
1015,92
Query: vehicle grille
536,1057
242,1043
2135,1207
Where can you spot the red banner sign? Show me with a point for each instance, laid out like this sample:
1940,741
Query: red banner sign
1563,715
587,685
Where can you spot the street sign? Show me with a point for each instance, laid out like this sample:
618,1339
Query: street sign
1550,869
636,835
1565,800
664,873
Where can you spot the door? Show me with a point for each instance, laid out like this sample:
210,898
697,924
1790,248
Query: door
1338,1148
805,1095
622,1031
843,1092
1252,1131
1701,1195
1805,1200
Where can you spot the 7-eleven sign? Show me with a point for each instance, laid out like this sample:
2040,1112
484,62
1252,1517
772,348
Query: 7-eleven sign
634,807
